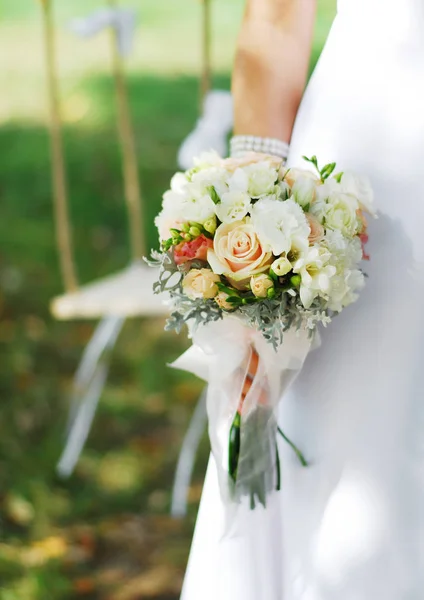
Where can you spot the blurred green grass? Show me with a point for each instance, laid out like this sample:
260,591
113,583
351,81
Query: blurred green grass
104,533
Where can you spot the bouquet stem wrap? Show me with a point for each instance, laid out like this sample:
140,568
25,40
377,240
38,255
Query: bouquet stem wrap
243,435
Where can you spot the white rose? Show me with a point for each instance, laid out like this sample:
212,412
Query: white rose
261,177
280,225
281,266
200,283
360,187
304,191
234,206
341,214
315,274
260,284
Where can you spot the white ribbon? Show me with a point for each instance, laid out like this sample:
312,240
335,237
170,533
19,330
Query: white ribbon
211,130
220,354
122,20
88,385
187,457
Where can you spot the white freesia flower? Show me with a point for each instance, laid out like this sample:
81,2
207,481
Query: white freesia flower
281,266
304,191
261,177
315,273
280,225
359,186
234,206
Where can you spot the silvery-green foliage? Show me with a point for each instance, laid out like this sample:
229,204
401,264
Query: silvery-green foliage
192,313
170,276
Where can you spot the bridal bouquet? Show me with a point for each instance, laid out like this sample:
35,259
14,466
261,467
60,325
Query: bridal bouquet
255,255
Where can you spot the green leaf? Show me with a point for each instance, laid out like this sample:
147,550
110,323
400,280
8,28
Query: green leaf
313,161
236,300
338,176
214,195
327,170
223,288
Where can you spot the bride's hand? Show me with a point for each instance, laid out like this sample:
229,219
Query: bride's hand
252,369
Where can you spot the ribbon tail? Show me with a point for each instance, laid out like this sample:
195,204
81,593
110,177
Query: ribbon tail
187,458
88,386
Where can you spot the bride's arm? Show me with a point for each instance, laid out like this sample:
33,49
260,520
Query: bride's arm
271,66
270,72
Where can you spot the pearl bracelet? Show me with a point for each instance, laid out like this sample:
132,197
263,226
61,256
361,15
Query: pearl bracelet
241,144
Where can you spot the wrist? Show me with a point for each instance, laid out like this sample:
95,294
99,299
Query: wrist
242,144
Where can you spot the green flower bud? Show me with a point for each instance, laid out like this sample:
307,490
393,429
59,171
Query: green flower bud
296,280
195,231
210,225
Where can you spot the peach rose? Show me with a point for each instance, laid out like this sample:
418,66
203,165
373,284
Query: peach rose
261,284
291,175
232,164
237,253
317,230
200,283
222,300
197,249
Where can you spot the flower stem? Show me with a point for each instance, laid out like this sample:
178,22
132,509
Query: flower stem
278,467
296,450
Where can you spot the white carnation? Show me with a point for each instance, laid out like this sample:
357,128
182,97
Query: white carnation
179,183
204,179
188,206
261,178
210,158
234,206
280,225
345,289
345,253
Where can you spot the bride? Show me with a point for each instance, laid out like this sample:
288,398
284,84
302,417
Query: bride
351,525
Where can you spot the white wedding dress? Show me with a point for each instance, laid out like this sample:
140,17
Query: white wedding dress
351,526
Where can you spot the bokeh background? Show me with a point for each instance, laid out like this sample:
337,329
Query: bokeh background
106,532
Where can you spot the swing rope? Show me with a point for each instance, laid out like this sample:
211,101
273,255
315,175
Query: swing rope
60,195
206,77
129,153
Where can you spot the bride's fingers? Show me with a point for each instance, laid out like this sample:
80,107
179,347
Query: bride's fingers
253,364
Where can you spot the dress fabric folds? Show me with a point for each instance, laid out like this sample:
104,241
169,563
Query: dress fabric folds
351,525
